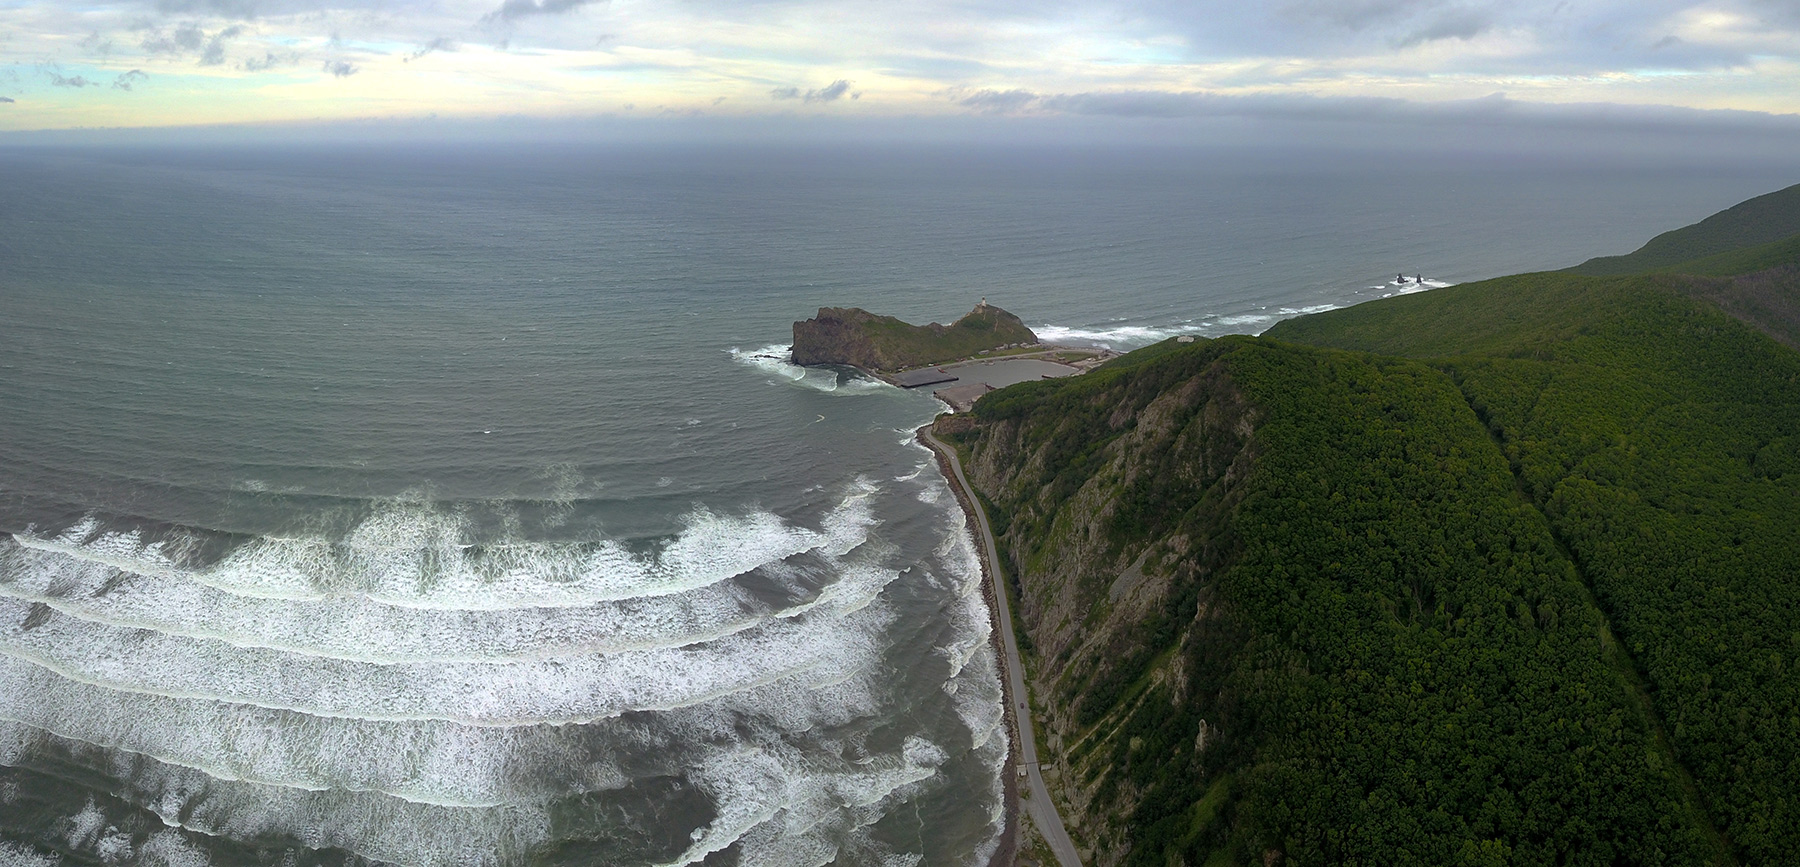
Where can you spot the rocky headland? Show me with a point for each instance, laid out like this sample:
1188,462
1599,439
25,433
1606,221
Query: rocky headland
856,337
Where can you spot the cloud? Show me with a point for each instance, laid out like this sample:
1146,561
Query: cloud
215,47
513,10
220,8
58,80
1674,52
996,101
268,61
1146,58
1778,12
126,80
1385,39
442,43
1495,109
244,10
829,92
1462,24
1354,15
94,42
7,99
190,38
186,38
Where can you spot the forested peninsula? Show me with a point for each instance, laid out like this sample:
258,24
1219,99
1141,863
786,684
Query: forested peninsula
1502,573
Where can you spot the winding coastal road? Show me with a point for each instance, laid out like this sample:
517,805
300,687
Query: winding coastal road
1042,809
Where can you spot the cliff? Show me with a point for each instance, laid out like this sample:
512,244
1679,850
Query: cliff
1500,573
850,335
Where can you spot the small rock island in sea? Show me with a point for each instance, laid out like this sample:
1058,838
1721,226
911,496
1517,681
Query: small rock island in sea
880,344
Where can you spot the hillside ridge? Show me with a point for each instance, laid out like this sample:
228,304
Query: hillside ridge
1766,219
1496,574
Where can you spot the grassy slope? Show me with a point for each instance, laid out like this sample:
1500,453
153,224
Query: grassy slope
905,345
1398,665
1661,439
1759,221
1744,260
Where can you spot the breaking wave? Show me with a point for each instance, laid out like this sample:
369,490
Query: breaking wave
403,694
1120,337
414,556
1127,337
1408,287
776,360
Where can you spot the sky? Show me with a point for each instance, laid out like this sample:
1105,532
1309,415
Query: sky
1718,65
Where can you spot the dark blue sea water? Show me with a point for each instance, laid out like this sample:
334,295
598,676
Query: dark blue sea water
440,505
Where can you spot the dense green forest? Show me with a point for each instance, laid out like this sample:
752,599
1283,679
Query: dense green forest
1506,573
1660,440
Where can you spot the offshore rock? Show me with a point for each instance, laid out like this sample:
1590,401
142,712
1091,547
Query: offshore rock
853,336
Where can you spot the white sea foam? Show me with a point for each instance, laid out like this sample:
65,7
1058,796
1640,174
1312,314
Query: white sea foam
777,361
956,550
429,763
358,629
372,825
779,817
71,580
1112,338
425,762
16,855
774,795
570,690
1133,336
425,723
84,828
1408,287
408,554
167,848
1243,319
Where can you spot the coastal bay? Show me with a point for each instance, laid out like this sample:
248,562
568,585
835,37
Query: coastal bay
550,508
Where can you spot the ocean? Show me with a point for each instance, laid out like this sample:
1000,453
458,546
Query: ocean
435,504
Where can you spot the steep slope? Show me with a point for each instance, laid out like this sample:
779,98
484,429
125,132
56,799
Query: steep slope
1500,573
851,335
1661,439
1763,220
1288,604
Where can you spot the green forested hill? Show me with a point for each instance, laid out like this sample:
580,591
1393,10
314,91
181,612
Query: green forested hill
1763,220
1506,573
1661,439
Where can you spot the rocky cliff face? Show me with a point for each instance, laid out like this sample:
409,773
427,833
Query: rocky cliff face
851,335
1102,604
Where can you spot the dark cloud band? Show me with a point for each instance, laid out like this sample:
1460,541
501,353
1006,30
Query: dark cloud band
513,10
